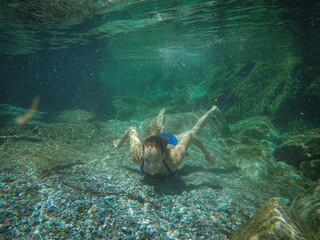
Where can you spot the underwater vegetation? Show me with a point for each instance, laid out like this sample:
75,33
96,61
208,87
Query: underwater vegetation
277,91
102,66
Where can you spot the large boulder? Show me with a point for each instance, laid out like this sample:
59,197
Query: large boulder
274,220
302,152
257,129
307,205
250,148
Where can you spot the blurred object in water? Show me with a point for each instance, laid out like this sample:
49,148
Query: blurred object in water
21,120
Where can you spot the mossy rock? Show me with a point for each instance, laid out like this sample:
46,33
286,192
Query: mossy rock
302,152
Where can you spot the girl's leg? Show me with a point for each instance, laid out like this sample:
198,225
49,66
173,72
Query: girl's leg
214,111
190,137
160,121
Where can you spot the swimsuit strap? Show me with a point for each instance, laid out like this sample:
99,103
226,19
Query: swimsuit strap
141,168
171,173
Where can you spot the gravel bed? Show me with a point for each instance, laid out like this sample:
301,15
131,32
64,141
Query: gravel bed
93,192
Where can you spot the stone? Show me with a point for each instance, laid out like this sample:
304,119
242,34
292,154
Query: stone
311,168
257,129
275,220
254,160
250,148
307,205
124,110
303,152
74,116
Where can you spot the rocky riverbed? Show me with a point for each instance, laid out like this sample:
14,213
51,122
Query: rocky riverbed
62,179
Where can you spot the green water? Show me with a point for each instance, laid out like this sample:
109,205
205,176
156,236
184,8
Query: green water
128,59
100,67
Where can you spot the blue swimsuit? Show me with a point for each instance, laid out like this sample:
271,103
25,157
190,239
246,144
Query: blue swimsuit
172,140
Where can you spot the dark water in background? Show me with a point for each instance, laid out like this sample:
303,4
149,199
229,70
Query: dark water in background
85,54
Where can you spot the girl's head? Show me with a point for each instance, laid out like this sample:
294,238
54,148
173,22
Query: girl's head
154,148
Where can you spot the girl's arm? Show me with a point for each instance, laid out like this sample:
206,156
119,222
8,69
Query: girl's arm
135,144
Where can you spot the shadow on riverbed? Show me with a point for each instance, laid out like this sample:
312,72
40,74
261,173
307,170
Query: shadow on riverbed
172,185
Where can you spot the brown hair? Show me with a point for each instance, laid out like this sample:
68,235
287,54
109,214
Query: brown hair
156,141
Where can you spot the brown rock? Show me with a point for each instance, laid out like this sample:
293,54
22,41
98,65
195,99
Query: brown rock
274,220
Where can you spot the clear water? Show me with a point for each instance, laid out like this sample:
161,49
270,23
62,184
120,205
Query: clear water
133,47
124,61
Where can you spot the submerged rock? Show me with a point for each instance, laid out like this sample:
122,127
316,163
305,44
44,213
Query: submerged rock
302,152
250,148
254,161
274,220
74,116
311,168
307,205
257,129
